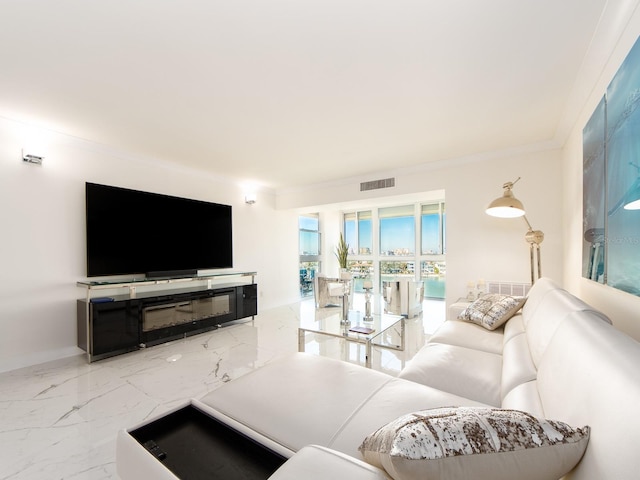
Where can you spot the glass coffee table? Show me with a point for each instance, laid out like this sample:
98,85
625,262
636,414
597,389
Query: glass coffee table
379,331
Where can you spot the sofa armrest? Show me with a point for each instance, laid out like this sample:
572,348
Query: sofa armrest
315,462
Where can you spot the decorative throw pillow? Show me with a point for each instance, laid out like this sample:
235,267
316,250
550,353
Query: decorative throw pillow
475,443
492,310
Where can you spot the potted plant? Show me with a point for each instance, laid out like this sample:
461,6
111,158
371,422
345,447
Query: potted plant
342,251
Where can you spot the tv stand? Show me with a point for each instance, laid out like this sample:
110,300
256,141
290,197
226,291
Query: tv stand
155,311
172,274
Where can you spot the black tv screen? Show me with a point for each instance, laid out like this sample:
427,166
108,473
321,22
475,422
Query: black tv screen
134,232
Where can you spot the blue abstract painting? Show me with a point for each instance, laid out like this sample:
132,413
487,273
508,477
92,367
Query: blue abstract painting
593,152
611,176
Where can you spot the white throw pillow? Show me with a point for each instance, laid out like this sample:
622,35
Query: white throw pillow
492,310
475,443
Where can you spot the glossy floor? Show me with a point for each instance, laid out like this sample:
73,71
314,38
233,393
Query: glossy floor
60,419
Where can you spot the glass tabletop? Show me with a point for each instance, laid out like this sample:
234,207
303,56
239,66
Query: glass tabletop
327,321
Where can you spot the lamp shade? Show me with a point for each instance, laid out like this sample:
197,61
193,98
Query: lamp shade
629,201
632,198
635,205
506,206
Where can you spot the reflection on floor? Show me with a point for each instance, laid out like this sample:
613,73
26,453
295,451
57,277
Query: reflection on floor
60,419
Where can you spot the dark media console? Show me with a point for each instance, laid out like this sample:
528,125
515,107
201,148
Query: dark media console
109,326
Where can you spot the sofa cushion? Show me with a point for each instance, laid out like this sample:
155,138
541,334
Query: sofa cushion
470,335
470,373
549,310
315,462
590,372
517,366
395,398
492,310
524,397
326,393
514,327
478,443
536,296
305,399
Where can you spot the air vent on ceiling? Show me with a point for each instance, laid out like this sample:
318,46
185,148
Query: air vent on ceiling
377,184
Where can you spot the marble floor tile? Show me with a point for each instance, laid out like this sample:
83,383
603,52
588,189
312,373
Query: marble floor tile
60,419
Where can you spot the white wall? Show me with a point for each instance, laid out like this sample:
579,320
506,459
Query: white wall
42,221
623,308
478,246
42,249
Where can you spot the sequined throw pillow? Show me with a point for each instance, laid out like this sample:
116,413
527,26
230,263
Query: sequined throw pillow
492,310
475,443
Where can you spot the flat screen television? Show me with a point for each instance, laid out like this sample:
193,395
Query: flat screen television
134,232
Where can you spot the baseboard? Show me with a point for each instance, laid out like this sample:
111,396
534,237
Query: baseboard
15,363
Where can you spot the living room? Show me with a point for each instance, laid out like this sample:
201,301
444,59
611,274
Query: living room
44,266
43,213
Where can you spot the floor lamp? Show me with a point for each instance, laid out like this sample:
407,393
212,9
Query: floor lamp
508,206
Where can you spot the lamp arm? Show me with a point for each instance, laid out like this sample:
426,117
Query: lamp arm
533,236
509,206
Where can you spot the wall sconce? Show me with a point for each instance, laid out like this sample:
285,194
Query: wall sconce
250,198
30,158
509,206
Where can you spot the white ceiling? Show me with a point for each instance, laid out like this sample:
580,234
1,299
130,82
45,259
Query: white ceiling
286,92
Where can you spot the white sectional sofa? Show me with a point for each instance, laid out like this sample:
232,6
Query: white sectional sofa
557,358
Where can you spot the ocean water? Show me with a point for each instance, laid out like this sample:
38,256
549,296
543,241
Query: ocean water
434,287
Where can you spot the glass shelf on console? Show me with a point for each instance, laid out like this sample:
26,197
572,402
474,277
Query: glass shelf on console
133,283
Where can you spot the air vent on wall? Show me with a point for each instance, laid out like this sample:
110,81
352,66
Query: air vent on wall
377,184
509,288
